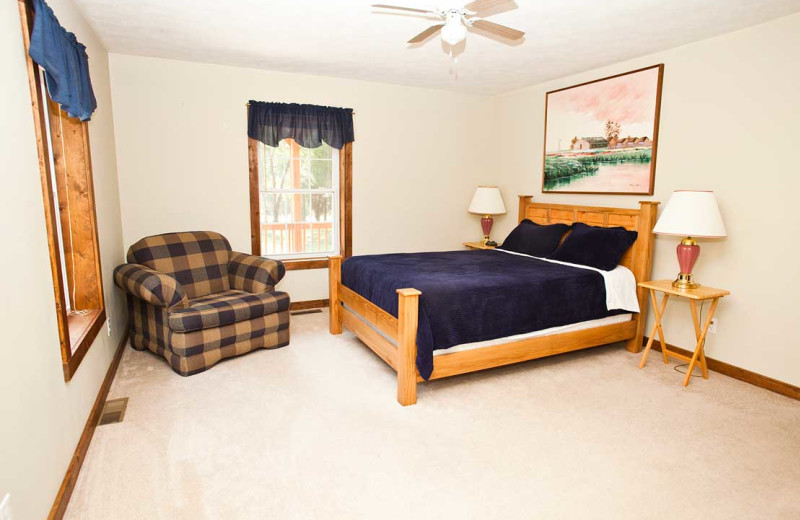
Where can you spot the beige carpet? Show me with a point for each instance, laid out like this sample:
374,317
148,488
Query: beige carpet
312,431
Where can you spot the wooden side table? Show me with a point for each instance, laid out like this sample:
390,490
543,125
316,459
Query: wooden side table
694,295
477,245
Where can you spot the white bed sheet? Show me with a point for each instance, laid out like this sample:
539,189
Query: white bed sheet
620,283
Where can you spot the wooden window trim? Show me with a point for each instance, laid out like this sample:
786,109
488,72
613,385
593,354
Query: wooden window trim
345,208
76,332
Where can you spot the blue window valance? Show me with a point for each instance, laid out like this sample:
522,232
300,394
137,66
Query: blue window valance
309,125
65,63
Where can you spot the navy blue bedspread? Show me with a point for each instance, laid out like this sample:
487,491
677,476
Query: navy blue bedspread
470,296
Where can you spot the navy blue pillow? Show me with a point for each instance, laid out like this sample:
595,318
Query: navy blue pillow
597,247
532,239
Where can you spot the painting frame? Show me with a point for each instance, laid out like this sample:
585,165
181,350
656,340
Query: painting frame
656,125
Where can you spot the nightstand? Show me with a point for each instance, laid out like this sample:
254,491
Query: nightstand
477,245
700,294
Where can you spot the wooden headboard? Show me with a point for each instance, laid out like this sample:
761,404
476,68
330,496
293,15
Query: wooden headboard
639,258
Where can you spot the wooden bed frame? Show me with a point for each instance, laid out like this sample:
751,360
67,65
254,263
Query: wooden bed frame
367,317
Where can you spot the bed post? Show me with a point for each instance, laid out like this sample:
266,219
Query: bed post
407,316
642,265
334,277
524,200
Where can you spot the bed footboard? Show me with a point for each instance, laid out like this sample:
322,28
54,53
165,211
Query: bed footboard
407,316
368,318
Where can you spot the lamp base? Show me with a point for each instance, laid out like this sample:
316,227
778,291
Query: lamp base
685,281
688,251
486,226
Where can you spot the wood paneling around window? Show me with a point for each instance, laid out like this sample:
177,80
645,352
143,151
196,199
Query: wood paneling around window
69,207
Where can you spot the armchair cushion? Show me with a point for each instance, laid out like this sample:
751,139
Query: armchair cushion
254,274
197,259
156,288
217,310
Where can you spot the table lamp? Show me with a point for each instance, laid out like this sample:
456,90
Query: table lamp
691,214
487,201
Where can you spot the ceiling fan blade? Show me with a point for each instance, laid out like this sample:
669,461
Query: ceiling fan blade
497,29
483,5
412,9
433,29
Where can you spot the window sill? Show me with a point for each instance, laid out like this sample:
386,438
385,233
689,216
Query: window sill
306,263
83,330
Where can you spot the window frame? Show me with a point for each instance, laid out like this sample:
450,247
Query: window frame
76,332
345,223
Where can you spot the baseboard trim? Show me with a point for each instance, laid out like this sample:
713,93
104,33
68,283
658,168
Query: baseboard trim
71,477
773,385
308,304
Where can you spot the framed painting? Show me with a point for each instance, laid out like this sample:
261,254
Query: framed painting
602,136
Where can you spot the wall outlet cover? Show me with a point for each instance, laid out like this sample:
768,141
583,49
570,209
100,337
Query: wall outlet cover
712,327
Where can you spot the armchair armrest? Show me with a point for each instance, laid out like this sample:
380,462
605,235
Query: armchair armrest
254,274
156,288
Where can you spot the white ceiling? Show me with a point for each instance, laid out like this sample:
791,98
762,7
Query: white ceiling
347,38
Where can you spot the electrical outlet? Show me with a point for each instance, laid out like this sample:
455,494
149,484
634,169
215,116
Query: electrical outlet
712,327
108,327
5,508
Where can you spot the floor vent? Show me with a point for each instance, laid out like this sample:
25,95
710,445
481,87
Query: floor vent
113,411
308,311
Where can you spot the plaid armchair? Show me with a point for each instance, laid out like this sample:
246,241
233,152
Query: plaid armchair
194,301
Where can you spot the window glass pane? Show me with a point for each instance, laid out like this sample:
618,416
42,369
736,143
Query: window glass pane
309,168
297,223
320,174
275,167
299,199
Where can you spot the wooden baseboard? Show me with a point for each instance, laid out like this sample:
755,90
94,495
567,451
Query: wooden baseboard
308,304
68,484
773,385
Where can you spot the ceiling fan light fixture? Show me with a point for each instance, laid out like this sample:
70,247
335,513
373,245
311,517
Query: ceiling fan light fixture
454,32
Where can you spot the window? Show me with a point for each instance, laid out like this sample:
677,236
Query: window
67,188
300,202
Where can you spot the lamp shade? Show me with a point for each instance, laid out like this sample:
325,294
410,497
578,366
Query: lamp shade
487,201
691,214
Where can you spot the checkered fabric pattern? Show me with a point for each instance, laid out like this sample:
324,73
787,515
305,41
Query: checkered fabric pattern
195,314
151,286
190,353
225,308
197,259
253,273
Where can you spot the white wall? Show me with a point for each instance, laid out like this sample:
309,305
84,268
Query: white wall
41,416
182,148
729,115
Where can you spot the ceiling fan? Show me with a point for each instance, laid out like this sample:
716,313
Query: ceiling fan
456,22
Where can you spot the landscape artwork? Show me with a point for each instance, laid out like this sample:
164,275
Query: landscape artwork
601,136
